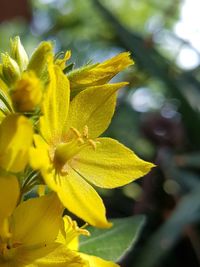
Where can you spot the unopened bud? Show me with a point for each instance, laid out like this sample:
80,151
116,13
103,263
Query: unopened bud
18,53
40,58
10,69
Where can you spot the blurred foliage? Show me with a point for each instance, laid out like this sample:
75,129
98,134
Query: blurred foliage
146,15
157,114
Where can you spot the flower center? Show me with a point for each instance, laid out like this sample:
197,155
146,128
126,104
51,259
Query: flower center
7,250
66,151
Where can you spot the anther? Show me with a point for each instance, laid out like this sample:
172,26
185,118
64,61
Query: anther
80,141
85,131
92,143
75,131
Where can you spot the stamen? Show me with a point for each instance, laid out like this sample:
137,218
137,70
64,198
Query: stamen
92,143
57,178
85,131
80,141
83,230
73,230
75,131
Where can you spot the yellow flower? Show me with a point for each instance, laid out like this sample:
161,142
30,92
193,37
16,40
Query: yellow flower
70,156
29,230
16,136
33,234
99,73
69,236
27,92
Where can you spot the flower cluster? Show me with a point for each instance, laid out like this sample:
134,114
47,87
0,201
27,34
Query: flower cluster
51,154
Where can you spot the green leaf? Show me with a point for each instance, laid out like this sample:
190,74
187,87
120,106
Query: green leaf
112,244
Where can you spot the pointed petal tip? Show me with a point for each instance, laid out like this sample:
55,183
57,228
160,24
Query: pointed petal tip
150,165
103,224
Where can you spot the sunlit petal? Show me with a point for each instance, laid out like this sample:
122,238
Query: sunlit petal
16,135
55,105
9,194
97,262
80,198
93,107
62,257
111,164
37,220
99,73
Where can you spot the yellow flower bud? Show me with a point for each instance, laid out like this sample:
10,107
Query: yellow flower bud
27,92
10,69
18,53
40,58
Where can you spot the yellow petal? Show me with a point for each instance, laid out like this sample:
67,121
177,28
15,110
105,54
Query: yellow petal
38,155
80,198
93,107
111,164
15,140
97,262
9,194
55,105
37,220
74,244
39,159
27,255
98,74
62,257
51,178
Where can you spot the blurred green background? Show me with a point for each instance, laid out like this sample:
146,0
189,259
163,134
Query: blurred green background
157,114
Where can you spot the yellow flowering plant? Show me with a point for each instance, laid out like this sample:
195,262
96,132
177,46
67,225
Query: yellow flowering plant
52,154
